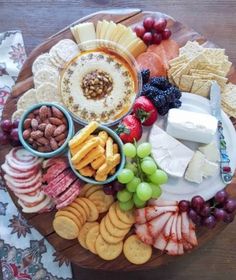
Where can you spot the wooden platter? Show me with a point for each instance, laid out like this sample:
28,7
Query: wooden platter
43,222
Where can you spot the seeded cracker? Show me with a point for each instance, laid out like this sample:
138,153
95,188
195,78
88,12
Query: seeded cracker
46,74
41,61
17,115
27,100
47,92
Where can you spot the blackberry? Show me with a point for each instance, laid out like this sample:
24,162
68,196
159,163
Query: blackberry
160,82
163,110
159,101
177,103
176,92
145,73
169,95
149,91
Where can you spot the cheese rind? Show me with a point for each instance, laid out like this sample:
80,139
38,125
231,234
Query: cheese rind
192,126
170,155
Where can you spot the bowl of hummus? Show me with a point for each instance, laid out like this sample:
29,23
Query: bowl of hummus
100,83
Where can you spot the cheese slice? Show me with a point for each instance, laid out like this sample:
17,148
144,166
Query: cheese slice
127,37
211,151
194,172
110,31
118,32
210,168
75,34
191,126
136,47
98,29
170,155
104,28
86,31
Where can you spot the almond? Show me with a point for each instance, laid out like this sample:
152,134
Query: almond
30,116
43,140
60,143
53,144
44,149
36,112
57,113
61,136
36,134
49,130
55,121
64,120
26,133
31,140
27,123
60,129
43,112
34,124
49,112
42,126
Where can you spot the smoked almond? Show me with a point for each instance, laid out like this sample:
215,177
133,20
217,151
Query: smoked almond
60,129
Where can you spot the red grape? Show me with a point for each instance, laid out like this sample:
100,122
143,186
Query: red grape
15,124
166,34
3,138
184,205
156,38
194,217
14,134
108,189
139,30
15,143
221,196
205,210
148,23
219,214
160,24
197,203
118,186
209,222
6,125
147,38
230,205
229,217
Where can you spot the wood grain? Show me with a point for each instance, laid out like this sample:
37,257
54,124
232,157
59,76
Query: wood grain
217,257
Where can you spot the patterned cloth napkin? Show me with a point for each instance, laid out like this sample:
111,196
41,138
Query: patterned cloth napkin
24,253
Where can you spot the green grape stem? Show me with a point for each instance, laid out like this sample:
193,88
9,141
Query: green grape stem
138,163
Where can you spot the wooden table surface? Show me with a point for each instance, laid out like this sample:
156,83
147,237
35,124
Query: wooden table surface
215,20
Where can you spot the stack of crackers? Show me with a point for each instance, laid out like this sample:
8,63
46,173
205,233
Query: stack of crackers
228,100
196,67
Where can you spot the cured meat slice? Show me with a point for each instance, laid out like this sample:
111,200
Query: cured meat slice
25,190
36,208
192,234
48,208
17,174
164,236
156,225
171,48
73,188
69,200
172,245
140,215
160,202
51,161
54,170
31,198
22,167
179,235
153,62
56,180
159,50
22,180
185,226
143,233
24,184
22,156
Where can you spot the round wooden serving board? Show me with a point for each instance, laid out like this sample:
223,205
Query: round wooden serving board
43,222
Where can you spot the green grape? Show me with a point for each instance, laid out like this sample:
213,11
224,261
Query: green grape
144,191
129,150
148,167
159,177
132,185
156,190
124,195
131,166
138,202
147,158
144,150
125,176
126,206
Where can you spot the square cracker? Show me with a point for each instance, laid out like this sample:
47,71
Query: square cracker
201,87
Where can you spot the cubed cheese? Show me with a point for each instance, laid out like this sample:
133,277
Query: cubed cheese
170,155
192,126
211,151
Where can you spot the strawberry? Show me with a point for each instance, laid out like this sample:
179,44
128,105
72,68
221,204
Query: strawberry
129,129
145,111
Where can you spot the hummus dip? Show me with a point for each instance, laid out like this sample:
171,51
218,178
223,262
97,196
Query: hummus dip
98,85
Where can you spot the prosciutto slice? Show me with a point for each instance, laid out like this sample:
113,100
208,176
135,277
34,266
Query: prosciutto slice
156,225
172,246
160,202
143,233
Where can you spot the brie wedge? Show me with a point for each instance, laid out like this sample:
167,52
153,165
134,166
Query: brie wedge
192,126
170,155
194,172
210,151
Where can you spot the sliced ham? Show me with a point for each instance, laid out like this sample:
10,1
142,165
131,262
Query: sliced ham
55,170
144,234
24,184
156,225
160,202
36,208
73,188
172,246
179,235
18,174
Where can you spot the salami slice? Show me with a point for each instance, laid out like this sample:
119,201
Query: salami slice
24,184
69,200
54,171
25,190
17,174
51,161
73,188
36,208
56,180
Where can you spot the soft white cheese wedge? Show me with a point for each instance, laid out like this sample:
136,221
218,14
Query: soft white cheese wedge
211,151
192,126
210,168
170,155
194,172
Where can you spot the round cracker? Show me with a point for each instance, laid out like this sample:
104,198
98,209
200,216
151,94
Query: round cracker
83,205
83,233
46,74
80,211
75,212
113,230
84,189
115,219
92,189
47,92
107,236
41,61
93,216
136,251
65,227
91,238
17,115
101,200
108,251
125,216
70,216
27,100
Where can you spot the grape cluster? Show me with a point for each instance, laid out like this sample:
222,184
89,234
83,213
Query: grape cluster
141,177
113,188
202,213
161,92
9,132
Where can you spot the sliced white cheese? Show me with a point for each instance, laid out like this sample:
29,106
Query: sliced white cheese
170,155
192,126
110,30
136,47
104,28
194,172
211,151
86,31
118,32
98,29
210,168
